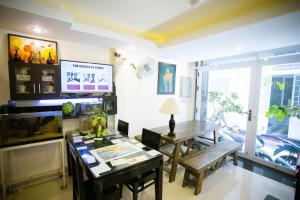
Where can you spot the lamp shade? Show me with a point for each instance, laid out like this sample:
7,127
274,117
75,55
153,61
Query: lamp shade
170,107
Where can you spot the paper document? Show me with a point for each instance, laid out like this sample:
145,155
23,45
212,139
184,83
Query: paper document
136,159
133,141
139,145
117,162
77,140
103,167
153,152
89,141
81,148
116,141
88,158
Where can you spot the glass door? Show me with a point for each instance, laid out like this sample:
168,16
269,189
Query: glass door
48,84
23,80
278,128
225,101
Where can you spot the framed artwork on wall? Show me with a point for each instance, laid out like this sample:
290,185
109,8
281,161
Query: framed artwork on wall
31,50
166,78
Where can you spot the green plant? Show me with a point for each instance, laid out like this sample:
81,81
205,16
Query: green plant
223,104
280,111
99,123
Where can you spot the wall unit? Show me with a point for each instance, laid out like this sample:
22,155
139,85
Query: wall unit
34,81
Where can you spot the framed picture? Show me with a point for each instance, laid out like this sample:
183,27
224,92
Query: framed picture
166,78
31,50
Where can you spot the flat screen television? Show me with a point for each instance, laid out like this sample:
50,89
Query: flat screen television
85,77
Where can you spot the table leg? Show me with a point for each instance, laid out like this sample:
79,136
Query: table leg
159,182
63,163
174,163
2,176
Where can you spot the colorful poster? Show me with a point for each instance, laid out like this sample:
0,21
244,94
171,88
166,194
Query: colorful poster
166,78
31,50
85,77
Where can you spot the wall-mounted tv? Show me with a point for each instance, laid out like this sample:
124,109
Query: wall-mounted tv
84,77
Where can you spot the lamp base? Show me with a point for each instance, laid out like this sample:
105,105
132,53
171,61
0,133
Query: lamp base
171,126
171,134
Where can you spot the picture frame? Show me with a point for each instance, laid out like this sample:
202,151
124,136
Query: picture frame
166,78
31,50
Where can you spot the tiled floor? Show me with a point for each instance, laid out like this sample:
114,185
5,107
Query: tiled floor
228,182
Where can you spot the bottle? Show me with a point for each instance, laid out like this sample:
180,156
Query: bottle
49,59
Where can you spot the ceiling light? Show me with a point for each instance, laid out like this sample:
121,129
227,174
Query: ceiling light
238,48
130,47
37,29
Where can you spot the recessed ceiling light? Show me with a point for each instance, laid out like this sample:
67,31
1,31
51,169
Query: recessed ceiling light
37,29
238,48
130,47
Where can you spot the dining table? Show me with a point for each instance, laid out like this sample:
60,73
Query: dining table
115,159
185,132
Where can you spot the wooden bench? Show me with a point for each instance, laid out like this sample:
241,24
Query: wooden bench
197,163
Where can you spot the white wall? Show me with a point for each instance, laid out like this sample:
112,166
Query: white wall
138,102
24,163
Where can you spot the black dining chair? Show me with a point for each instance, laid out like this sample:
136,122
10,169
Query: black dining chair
123,127
83,190
143,181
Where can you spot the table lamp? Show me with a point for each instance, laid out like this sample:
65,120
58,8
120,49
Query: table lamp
170,107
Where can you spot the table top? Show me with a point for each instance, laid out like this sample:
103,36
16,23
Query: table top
113,139
186,130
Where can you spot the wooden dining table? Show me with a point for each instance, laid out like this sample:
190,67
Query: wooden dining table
119,174
184,132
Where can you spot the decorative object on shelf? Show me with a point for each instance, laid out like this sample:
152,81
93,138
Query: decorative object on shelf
166,78
170,107
99,123
67,109
32,50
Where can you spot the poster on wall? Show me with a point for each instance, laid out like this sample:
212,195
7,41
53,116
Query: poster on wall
31,50
166,78
84,77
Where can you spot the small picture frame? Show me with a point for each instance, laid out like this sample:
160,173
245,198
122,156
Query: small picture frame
31,50
166,78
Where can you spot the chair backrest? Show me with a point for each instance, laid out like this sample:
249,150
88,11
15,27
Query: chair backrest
123,127
151,139
77,176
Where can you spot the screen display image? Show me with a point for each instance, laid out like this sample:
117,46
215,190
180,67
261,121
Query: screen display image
83,77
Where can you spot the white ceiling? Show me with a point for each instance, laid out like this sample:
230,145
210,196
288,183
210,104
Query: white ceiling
269,33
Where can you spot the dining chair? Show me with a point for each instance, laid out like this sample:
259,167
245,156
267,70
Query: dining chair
123,127
83,190
143,181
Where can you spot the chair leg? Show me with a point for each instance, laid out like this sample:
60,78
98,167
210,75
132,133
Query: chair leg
186,178
121,189
135,192
234,155
199,181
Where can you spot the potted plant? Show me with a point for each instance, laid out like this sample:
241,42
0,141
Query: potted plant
99,123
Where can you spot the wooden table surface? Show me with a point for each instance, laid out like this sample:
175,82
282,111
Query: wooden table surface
184,131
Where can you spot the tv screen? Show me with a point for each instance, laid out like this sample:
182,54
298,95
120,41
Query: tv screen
84,77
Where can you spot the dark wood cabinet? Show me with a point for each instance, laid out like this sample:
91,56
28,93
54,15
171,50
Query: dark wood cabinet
34,81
